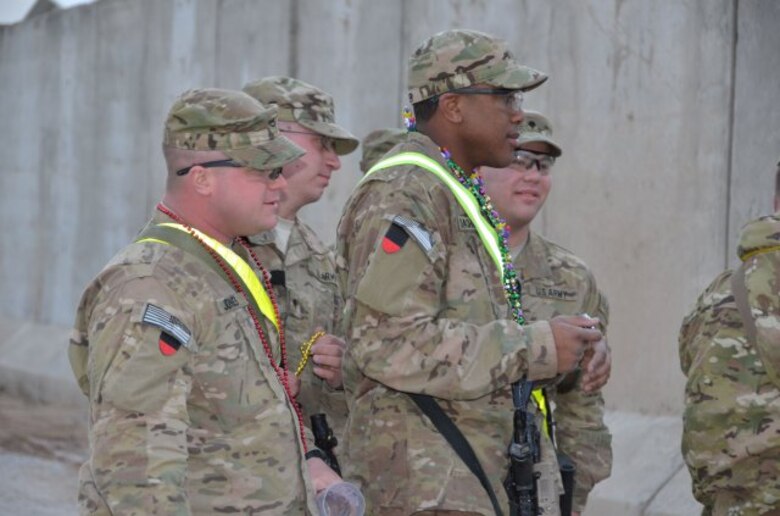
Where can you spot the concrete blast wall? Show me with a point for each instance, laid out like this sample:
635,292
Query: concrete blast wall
666,110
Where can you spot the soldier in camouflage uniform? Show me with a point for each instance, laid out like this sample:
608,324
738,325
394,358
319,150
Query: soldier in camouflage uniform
189,412
426,311
377,143
730,353
556,282
308,294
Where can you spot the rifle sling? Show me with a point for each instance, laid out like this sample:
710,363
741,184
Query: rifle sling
740,298
457,440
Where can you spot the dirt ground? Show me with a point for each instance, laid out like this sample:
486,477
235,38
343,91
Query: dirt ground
41,449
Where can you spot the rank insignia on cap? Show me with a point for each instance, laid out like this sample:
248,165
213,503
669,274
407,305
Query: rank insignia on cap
174,333
394,239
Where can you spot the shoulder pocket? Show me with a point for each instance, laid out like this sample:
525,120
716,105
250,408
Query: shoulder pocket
395,269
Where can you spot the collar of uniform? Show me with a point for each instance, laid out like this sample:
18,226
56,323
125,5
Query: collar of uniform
264,238
532,260
302,244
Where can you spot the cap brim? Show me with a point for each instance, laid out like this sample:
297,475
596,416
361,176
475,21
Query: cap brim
518,77
538,137
344,141
271,154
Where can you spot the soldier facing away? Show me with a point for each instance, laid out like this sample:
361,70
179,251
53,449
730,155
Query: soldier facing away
306,287
426,309
556,282
177,344
730,354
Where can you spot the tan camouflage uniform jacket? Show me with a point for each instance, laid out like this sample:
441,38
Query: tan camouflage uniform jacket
731,434
556,282
428,321
309,301
208,429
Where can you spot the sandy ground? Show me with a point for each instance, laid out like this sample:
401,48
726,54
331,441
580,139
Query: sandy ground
41,449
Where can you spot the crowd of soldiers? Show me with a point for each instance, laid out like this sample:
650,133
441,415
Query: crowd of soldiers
457,356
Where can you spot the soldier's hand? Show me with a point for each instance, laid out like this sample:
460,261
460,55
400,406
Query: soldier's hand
321,474
596,366
573,335
327,353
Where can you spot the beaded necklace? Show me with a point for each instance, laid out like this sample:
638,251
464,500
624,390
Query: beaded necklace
474,184
281,370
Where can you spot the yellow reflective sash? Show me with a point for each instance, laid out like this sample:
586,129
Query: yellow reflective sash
541,402
470,205
466,200
237,264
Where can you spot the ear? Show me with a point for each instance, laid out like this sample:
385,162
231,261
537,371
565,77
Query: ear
202,181
451,107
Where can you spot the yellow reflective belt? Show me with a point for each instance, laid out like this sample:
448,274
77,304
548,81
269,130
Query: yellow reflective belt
541,402
238,265
485,231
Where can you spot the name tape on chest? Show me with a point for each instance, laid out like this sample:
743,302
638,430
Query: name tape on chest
555,293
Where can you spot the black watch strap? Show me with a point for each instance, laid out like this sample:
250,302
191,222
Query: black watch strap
316,452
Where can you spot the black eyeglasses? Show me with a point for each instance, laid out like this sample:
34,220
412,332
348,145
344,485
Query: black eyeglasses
328,144
527,160
272,174
512,98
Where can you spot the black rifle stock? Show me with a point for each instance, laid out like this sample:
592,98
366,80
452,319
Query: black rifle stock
520,483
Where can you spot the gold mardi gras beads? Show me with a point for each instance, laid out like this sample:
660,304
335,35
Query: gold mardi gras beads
306,351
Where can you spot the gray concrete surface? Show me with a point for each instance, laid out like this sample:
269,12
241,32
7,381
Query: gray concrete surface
34,485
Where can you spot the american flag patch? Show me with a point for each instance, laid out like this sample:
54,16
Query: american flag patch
168,323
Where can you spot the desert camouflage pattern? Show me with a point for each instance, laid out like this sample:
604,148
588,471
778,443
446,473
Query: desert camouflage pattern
304,104
556,282
309,301
460,58
731,435
207,430
429,317
535,127
377,143
213,119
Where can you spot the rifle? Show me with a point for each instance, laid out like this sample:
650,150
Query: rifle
520,483
325,440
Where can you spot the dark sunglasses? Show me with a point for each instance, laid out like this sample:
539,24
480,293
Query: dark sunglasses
272,174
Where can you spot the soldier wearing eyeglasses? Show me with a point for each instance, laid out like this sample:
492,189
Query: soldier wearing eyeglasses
426,313
176,343
302,267
556,282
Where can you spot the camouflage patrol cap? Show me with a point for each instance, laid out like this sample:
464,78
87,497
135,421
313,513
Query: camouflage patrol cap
459,58
376,145
212,119
304,104
536,128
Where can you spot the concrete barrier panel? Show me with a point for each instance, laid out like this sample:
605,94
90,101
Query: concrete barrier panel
351,50
637,93
756,126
